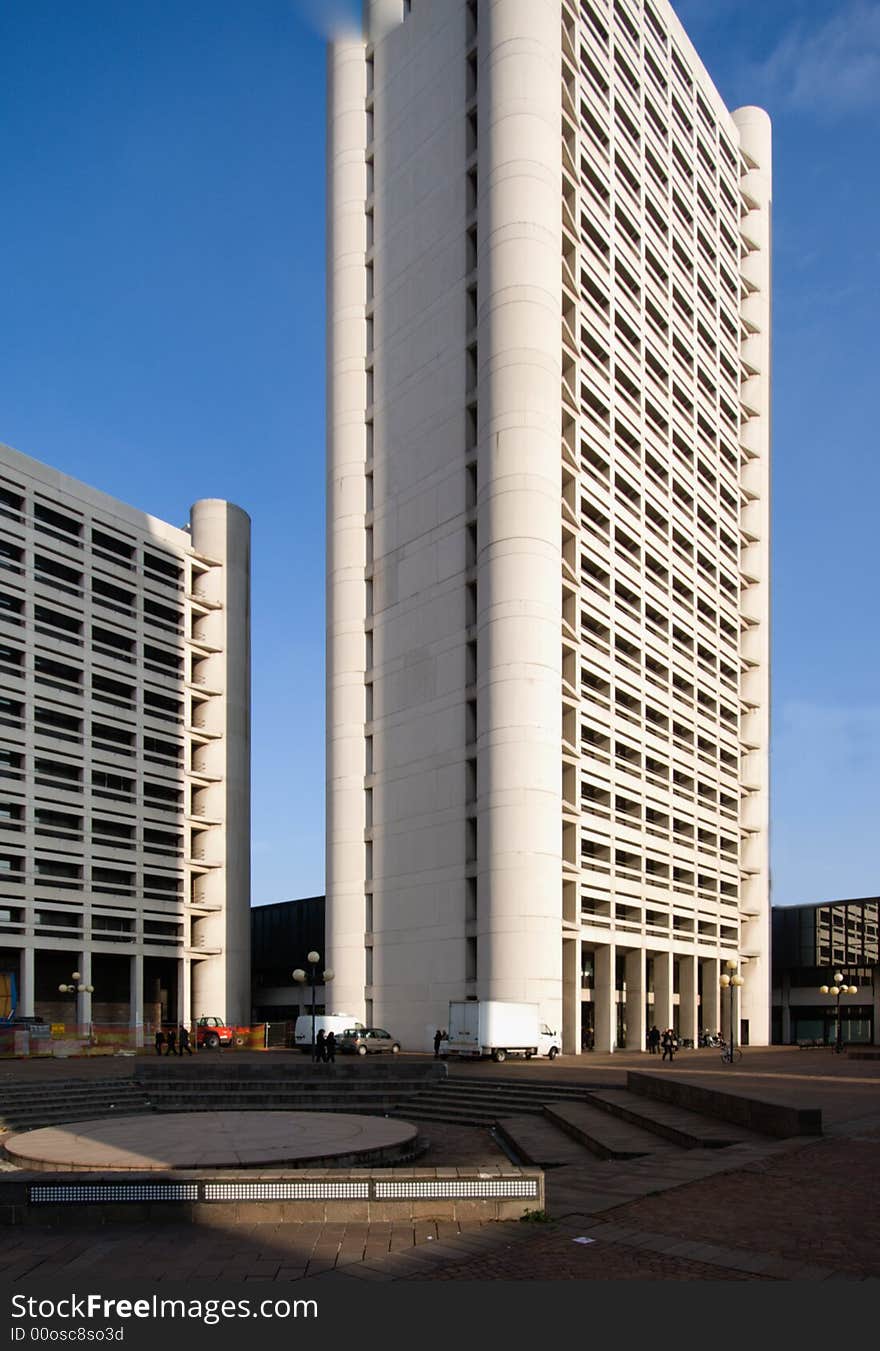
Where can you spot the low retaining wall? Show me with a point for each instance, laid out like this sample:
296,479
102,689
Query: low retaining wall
221,1065
223,1201
766,1118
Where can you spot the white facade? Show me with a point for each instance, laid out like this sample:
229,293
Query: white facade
124,753
548,511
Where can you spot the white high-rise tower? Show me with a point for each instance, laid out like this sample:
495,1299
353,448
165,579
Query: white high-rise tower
548,503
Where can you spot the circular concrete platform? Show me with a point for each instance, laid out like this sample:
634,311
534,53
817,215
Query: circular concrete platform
197,1140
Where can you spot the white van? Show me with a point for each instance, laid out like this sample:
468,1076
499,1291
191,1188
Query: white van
329,1022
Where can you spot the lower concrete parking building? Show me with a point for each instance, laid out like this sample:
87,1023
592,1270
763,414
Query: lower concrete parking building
124,757
811,945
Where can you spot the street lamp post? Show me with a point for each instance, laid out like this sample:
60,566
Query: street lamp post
731,981
838,988
301,977
76,988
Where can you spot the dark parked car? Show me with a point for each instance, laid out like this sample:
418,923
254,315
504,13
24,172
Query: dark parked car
367,1041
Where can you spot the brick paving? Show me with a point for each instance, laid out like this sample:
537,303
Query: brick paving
802,1209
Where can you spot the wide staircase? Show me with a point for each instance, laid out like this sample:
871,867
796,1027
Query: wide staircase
25,1107
548,1125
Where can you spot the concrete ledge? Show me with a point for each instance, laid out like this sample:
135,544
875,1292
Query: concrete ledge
756,1114
225,1199
293,1069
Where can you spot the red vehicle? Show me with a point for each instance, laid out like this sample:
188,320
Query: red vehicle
212,1033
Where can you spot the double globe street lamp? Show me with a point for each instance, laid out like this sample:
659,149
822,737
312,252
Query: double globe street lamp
301,977
76,988
732,981
839,988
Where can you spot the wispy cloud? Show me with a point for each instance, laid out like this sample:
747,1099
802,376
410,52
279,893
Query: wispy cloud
832,68
331,18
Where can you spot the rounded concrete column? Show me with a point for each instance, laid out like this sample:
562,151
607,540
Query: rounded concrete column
221,983
755,137
520,565
346,506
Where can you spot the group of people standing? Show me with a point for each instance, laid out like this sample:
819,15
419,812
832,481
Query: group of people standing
666,1040
325,1048
175,1042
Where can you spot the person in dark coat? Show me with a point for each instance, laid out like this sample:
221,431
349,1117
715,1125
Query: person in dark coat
160,1040
320,1047
183,1041
330,1048
171,1038
669,1044
438,1037
654,1040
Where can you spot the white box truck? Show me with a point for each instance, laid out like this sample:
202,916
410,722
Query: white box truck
328,1022
499,1028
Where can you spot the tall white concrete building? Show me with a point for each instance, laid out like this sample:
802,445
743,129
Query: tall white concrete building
124,754
548,520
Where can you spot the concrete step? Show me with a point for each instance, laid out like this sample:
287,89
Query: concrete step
63,1113
77,1089
452,1116
676,1124
539,1143
257,1092
605,1135
522,1086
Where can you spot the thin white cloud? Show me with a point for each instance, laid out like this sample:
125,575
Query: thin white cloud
331,18
831,68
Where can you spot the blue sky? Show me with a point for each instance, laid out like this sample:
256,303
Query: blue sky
162,337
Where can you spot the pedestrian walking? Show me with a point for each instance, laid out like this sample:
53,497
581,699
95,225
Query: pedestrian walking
330,1048
160,1040
438,1037
183,1043
171,1039
320,1047
668,1043
654,1040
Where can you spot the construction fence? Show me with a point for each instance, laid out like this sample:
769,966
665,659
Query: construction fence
63,1040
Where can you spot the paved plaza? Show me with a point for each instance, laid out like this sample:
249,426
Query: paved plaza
771,1210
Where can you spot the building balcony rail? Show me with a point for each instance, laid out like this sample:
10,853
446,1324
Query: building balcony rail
199,951
203,602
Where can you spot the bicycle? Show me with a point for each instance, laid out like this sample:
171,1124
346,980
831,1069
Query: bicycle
730,1055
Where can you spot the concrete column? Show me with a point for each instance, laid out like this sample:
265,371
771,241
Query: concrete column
755,138
185,1005
26,983
687,998
520,557
604,998
136,998
346,509
663,990
635,1000
571,997
711,971
221,531
182,984
84,1001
